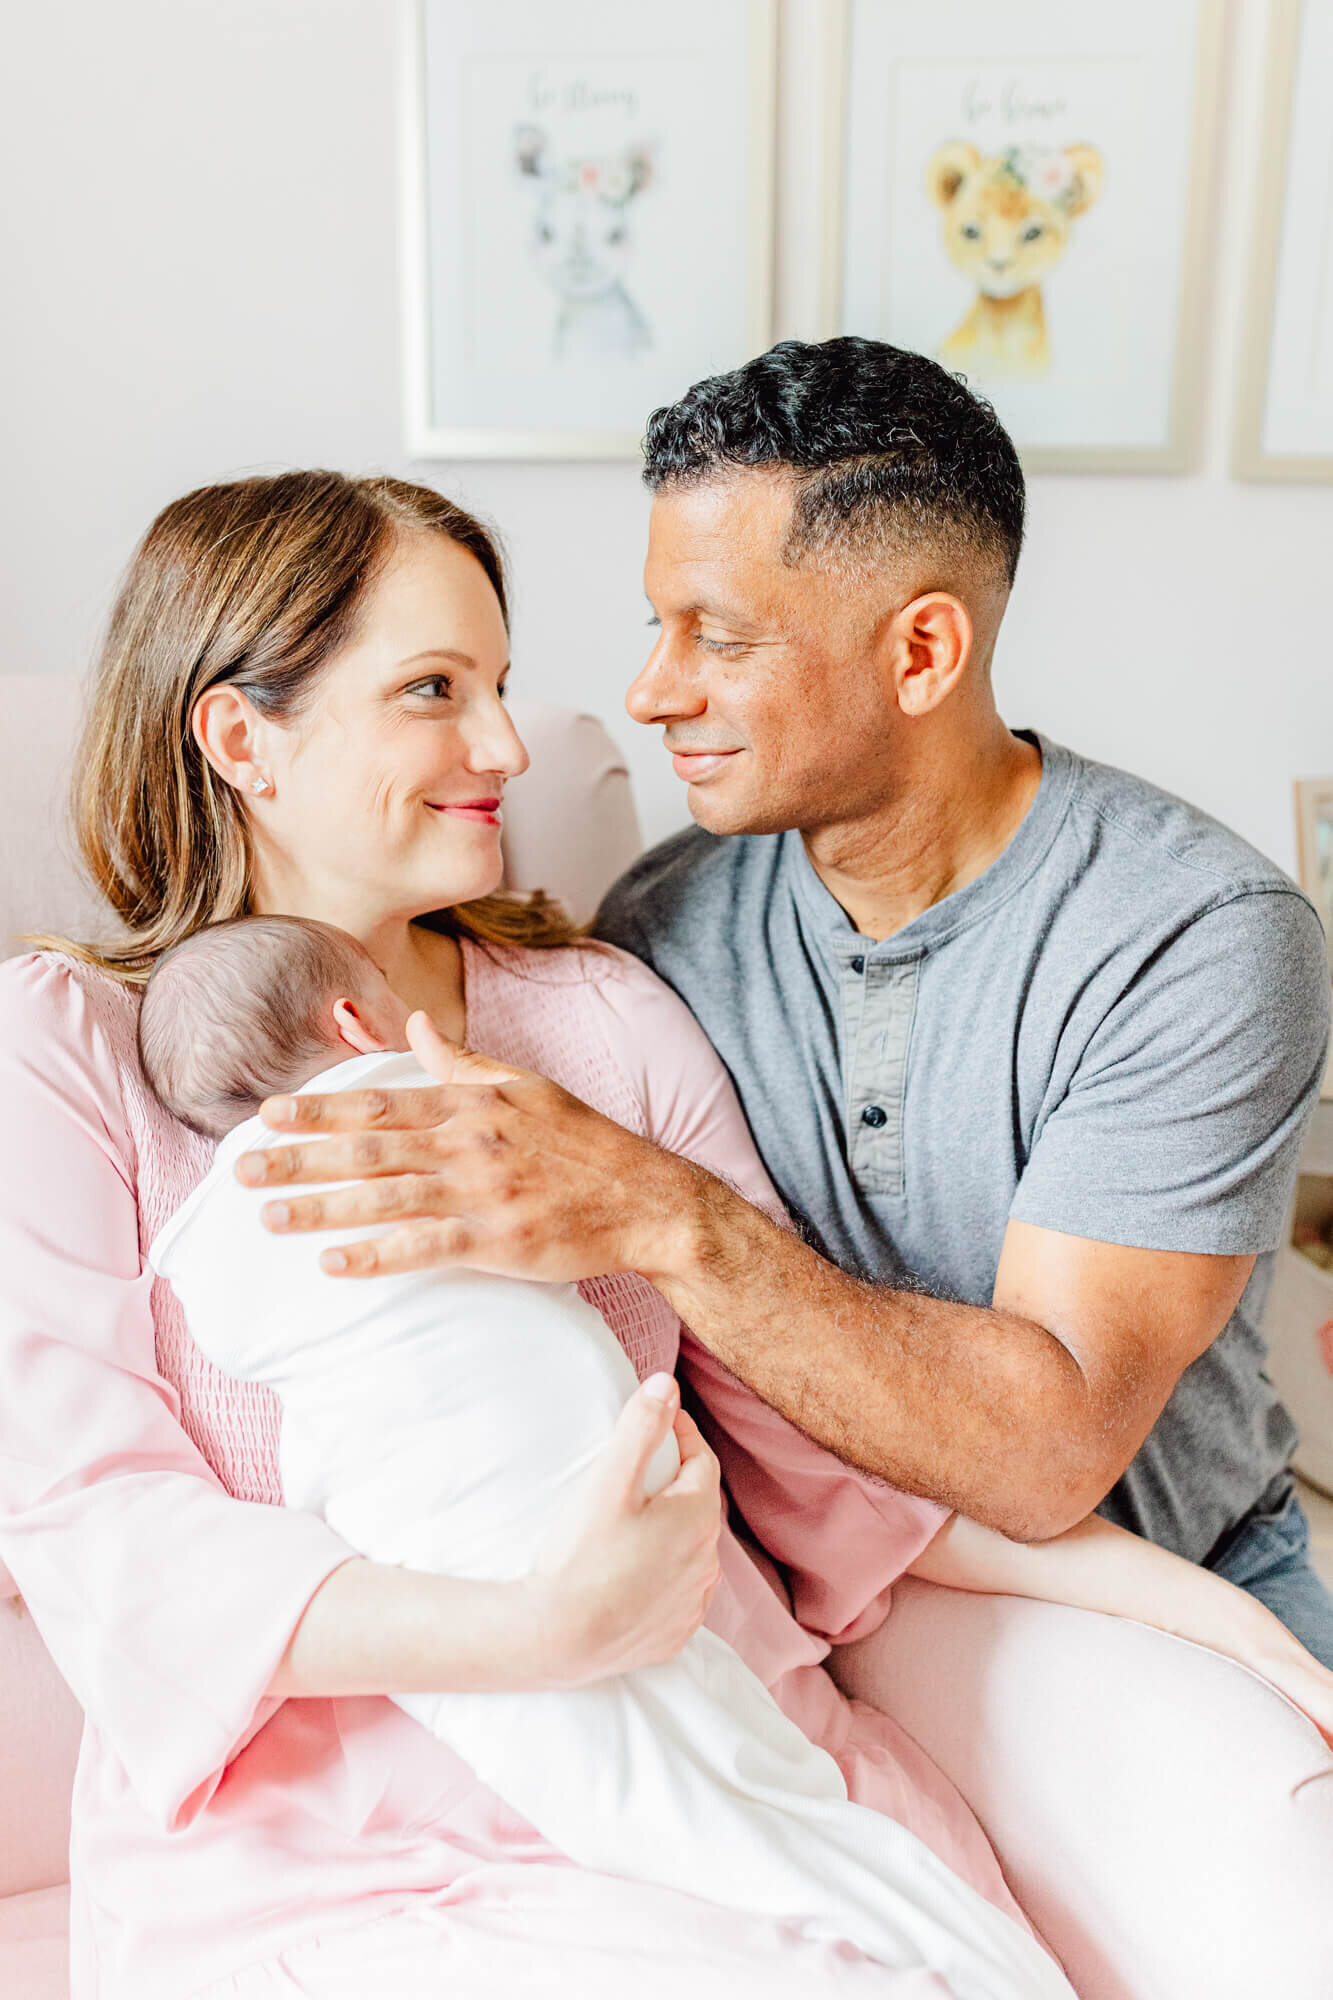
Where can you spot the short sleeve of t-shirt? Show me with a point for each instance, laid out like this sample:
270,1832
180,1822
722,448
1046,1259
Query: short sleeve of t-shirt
1182,1123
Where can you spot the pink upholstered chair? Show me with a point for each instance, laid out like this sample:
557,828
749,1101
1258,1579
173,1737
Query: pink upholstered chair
1166,1818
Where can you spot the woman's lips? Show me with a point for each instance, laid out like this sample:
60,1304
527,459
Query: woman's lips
482,812
692,765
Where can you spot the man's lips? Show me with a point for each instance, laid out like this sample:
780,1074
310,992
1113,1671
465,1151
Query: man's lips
693,765
482,812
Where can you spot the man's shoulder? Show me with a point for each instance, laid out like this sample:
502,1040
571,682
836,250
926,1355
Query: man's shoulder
672,892
1122,818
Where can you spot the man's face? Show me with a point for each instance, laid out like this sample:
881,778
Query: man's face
764,673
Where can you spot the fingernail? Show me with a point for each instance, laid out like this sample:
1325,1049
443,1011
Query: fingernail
280,1110
661,1388
277,1214
333,1260
252,1168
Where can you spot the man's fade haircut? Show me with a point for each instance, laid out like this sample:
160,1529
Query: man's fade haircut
242,1010
886,447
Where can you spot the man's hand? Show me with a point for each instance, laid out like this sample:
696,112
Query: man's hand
496,1169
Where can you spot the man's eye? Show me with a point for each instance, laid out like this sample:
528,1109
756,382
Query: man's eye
654,622
727,647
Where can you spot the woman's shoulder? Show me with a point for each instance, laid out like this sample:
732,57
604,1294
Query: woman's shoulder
55,997
67,1036
619,1012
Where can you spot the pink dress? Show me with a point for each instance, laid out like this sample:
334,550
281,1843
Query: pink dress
228,1844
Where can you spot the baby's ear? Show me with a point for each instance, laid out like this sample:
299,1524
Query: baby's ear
948,167
353,1030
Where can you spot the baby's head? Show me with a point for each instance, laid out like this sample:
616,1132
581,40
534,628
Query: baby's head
255,1006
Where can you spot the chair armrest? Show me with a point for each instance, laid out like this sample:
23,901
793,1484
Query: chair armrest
1163,1815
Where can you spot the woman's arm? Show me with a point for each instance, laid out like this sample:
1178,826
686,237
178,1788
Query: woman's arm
625,1585
1098,1567
175,1612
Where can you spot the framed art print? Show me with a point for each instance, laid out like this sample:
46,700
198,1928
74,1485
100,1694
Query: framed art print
1314,846
1284,421
589,192
1020,190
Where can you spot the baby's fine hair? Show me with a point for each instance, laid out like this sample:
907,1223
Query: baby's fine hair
242,1010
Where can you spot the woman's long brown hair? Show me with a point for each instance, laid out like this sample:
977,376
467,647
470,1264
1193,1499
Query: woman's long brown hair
255,583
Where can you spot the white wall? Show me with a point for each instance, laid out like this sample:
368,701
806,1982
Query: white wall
198,240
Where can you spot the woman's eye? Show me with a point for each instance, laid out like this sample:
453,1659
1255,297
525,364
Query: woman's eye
438,685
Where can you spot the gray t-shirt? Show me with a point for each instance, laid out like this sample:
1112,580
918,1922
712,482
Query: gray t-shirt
1118,1031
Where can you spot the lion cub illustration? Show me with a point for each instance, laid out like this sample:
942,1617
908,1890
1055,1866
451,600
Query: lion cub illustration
1005,223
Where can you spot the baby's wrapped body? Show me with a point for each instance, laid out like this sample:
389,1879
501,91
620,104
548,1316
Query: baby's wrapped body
440,1420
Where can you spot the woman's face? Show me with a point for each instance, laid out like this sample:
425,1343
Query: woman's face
387,789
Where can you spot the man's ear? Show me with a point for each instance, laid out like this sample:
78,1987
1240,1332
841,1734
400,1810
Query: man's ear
930,644
354,1031
947,169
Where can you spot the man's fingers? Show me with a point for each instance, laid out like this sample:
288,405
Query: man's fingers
353,1156
366,1110
417,1246
451,1064
397,1198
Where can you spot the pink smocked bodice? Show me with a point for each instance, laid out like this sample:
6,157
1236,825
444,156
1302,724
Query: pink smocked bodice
525,1008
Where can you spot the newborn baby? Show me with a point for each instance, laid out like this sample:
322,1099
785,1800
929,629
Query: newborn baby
438,1419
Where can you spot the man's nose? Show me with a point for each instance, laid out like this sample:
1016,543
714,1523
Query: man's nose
665,690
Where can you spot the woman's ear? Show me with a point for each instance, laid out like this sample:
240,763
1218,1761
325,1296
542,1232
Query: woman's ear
227,730
932,644
354,1031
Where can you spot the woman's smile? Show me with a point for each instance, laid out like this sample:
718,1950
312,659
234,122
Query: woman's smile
482,812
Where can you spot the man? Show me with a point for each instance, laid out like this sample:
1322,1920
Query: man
1027,1046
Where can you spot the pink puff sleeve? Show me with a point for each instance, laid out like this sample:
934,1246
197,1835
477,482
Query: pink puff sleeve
166,1604
842,1536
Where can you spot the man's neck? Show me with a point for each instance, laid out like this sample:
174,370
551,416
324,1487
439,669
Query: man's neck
946,827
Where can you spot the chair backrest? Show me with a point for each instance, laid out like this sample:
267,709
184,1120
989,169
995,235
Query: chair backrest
570,824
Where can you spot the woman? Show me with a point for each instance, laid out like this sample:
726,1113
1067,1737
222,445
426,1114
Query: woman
299,709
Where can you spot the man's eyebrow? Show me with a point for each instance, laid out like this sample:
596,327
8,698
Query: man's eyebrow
703,607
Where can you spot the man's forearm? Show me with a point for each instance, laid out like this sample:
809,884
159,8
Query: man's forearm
984,1411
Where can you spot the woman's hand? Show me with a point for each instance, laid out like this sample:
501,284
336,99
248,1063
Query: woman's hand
1303,1680
625,1580
623,1583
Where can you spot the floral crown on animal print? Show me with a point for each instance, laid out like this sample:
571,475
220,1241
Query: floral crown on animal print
1043,171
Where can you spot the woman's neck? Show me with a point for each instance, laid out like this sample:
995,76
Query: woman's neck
423,966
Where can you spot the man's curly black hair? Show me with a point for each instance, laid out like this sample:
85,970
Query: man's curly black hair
887,449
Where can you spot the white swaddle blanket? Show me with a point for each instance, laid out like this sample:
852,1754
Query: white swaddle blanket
439,1420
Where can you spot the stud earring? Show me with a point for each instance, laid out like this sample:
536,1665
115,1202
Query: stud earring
260,785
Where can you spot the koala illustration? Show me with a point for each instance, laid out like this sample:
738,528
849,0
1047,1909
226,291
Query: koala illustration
581,242
1005,224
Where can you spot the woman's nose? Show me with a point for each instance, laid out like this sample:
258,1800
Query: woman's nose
494,744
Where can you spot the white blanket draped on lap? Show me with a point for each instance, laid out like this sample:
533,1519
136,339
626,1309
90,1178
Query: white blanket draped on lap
440,1420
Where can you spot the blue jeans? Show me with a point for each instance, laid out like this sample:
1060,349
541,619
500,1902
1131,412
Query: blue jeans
1268,1554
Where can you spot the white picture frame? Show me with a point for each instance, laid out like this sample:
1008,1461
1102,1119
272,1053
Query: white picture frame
1106,376
1284,407
588,195
1314,850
